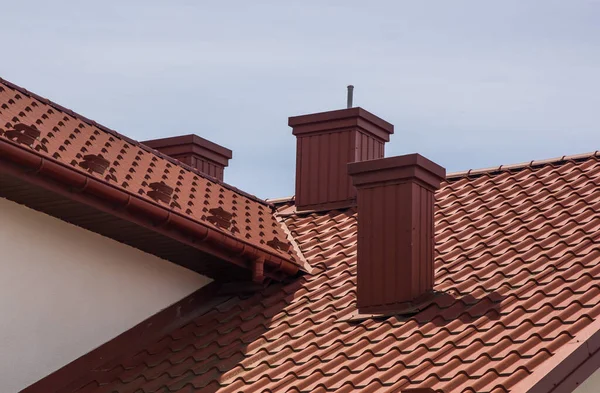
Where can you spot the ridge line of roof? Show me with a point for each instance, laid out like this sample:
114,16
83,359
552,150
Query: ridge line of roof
290,237
482,171
280,200
522,165
131,141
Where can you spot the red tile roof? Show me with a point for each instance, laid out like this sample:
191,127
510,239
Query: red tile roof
35,125
518,283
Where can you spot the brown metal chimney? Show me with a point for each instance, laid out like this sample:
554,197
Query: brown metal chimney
395,231
197,152
326,143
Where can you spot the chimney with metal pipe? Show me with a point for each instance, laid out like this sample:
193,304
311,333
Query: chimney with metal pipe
350,96
326,143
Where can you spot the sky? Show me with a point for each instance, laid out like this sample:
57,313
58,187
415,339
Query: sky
468,84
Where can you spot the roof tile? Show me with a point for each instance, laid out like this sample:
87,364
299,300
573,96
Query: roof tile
86,146
516,270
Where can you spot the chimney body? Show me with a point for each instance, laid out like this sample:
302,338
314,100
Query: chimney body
197,152
395,230
326,143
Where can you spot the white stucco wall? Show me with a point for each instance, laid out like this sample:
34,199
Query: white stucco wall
590,385
65,290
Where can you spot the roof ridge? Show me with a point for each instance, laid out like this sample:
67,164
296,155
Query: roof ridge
280,199
519,166
290,237
271,201
131,141
482,171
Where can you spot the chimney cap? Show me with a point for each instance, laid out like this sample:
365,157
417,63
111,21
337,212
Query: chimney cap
326,142
189,140
356,116
205,156
397,169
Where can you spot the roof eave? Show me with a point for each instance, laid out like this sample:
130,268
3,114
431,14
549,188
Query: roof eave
32,167
133,142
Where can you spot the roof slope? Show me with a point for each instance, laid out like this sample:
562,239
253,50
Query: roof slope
517,255
35,124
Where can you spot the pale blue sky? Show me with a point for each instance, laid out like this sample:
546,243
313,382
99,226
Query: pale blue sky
468,84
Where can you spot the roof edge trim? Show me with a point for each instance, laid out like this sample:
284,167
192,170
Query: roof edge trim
303,261
90,187
554,374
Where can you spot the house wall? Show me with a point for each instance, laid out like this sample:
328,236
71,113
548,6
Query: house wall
590,385
65,290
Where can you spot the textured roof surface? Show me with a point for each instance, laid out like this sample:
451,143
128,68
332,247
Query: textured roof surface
517,270
64,136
